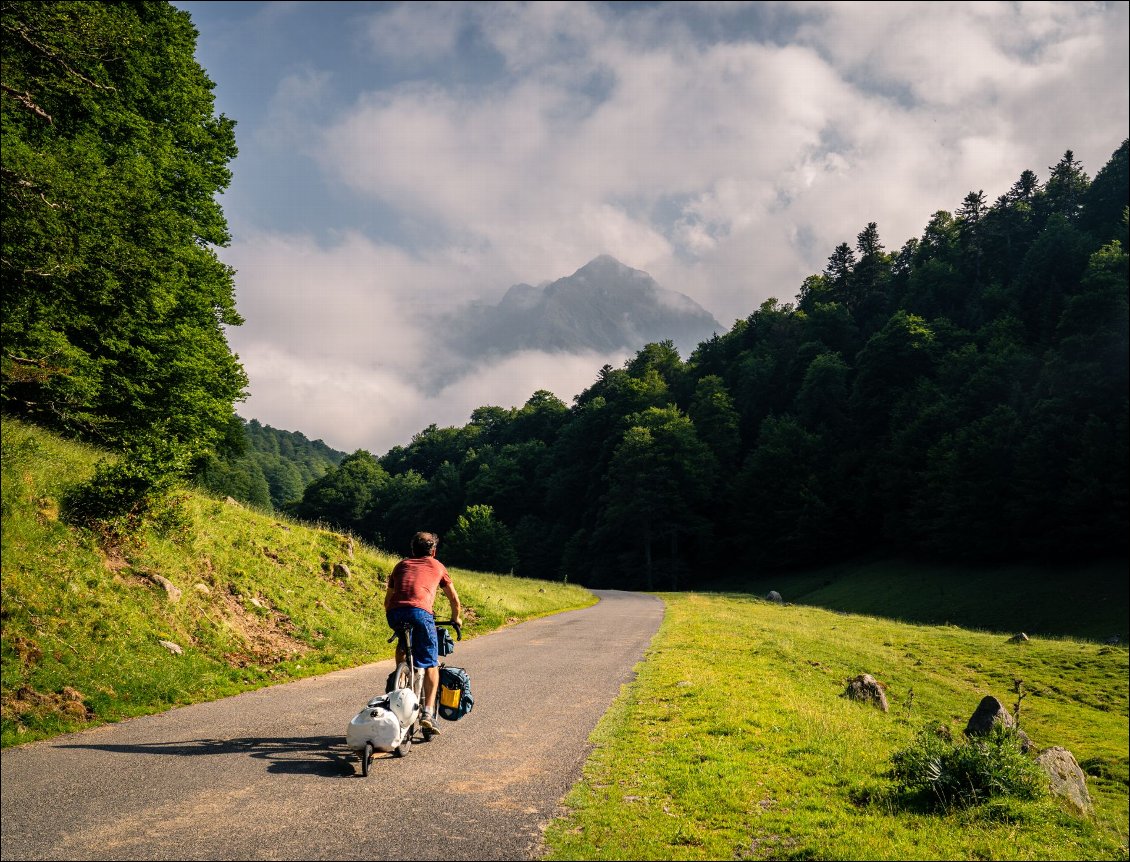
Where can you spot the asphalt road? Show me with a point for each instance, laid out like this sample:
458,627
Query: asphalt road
267,774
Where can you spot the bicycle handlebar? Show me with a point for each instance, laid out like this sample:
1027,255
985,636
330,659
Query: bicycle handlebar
458,628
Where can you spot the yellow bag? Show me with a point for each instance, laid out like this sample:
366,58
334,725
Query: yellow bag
455,699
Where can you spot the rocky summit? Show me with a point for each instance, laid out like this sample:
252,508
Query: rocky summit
603,306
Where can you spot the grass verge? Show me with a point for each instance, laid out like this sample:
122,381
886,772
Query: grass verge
1086,600
734,741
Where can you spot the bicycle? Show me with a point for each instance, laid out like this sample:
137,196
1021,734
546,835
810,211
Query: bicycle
407,676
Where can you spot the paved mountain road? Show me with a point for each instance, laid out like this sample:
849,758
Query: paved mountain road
267,774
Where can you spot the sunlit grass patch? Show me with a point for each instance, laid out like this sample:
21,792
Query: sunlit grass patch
735,741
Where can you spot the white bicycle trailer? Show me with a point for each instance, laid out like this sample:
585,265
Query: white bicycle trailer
385,724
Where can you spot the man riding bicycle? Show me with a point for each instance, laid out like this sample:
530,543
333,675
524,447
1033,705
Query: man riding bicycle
409,600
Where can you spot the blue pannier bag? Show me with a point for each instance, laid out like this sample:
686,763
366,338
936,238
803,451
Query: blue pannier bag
455,699
446,644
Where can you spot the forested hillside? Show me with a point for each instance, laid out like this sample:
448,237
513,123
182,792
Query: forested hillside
962,397
272,468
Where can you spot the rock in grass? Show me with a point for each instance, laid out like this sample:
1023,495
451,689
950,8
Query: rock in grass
774,596
1067,779
171,591
175,649
1018,638
989,712
867,689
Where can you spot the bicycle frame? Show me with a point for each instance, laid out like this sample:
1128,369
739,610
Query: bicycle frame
407,675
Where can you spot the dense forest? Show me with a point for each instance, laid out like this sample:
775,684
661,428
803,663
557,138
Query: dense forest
963,397
271,470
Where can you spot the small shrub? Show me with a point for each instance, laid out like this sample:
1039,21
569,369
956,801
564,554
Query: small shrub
130,491
942,774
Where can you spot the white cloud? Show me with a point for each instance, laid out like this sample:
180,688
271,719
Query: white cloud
415,32
348,405
288,114
353,405
334,302
343,343
728,169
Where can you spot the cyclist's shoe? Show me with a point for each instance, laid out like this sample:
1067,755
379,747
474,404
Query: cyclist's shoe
428,724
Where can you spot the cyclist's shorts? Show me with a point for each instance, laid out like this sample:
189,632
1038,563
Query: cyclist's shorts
425,644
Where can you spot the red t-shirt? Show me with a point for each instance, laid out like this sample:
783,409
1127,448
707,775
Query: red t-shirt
414,582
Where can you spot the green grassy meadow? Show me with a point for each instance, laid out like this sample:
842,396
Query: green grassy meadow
734,741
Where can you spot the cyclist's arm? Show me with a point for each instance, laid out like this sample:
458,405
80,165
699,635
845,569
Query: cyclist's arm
453,597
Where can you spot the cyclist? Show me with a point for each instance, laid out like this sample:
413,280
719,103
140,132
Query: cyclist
410,598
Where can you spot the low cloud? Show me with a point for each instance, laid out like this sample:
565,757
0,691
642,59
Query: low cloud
356,405
344,343
728,169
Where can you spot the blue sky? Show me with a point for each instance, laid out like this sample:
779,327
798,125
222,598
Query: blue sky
398,160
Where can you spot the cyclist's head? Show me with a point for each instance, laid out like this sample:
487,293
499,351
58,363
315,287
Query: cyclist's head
423,544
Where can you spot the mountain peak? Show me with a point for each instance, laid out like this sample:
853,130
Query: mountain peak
606,265
603,306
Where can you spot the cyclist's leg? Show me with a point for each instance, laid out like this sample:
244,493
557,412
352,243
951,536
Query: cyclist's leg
425,652
431,687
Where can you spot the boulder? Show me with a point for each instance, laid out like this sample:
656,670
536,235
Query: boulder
1067,778
991,711
171,591
867,689
1018,638
341,570
774,596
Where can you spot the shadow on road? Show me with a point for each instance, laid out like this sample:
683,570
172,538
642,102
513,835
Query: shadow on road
300,755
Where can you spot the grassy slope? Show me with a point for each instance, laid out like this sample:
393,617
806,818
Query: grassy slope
734,741
259,602
1088,601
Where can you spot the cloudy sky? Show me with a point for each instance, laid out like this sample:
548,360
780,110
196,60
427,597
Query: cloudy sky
398,160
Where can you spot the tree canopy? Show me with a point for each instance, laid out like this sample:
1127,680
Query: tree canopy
115,303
